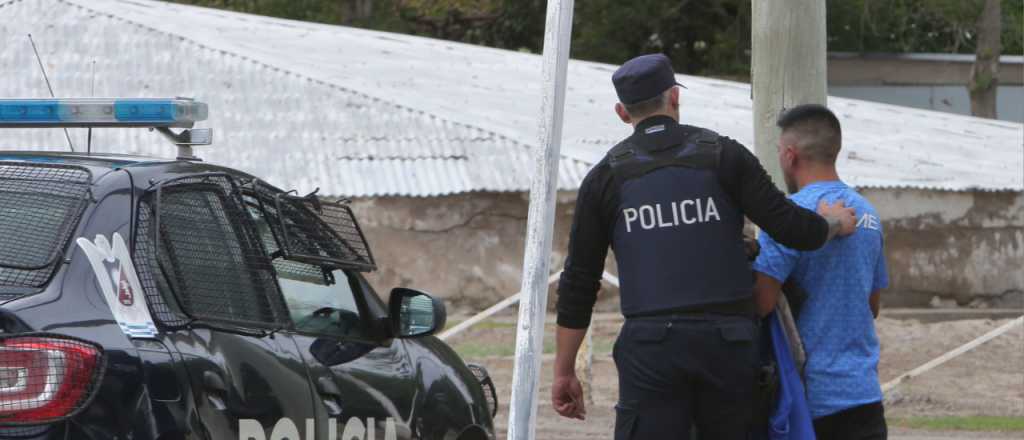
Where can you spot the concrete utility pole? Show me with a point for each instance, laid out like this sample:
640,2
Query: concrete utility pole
984,81
788,66
540,224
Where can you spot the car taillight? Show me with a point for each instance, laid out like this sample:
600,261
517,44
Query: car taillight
46,378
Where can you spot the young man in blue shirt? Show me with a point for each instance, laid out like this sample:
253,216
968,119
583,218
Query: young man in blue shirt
842,281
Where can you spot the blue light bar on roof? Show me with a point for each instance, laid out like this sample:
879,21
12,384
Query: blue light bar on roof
101,112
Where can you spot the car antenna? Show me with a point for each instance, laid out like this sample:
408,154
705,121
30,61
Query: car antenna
48,86
92,92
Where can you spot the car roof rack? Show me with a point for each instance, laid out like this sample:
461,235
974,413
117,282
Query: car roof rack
160,114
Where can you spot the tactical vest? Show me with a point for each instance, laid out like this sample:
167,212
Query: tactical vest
678,235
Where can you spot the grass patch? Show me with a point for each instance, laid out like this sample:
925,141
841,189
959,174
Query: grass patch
603,347
485,324
470,349
474,350
969,423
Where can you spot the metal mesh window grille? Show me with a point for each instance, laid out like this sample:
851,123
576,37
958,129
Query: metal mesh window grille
322,232
164,308
308,229
40,206
208,254
259,212
285,268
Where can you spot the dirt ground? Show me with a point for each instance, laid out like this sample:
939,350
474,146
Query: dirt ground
988,380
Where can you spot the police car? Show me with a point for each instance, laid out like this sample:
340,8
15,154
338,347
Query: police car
155,299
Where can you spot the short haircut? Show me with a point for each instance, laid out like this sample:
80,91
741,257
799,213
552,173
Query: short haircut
816,131
647,107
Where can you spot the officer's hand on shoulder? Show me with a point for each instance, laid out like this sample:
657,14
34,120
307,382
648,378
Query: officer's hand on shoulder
847,217
567,397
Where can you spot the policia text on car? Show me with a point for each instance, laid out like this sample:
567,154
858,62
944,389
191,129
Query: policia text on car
671,200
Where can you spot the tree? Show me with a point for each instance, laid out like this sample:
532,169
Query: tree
984,79
354,11
451,19
703,37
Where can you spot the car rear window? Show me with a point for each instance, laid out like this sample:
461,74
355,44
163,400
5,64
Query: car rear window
40,206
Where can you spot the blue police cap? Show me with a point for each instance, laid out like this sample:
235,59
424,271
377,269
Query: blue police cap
643,78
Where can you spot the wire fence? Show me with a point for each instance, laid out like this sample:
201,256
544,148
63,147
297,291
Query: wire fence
584,359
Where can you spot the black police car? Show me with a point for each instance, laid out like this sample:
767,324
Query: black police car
150,299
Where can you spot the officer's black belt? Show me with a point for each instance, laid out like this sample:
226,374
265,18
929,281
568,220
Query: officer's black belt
744,307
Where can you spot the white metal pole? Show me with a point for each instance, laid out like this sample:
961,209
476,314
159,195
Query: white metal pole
540,223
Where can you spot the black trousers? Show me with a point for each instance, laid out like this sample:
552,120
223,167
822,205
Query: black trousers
677,372
865,422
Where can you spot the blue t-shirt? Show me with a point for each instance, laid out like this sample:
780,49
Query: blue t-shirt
835,323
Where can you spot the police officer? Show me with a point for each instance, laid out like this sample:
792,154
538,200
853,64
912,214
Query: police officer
670,200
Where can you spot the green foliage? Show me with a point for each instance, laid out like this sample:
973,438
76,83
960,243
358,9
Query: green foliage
943,26
969,423
505,24
1013,27
984,81
701,37
704,37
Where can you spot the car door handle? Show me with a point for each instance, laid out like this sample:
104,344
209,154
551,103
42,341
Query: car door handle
213,382
327,387
218,396
216,390
330,394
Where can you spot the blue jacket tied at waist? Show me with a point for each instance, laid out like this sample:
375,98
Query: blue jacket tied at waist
791,418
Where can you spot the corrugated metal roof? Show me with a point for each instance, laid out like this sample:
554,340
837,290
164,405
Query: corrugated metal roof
420,116
290,129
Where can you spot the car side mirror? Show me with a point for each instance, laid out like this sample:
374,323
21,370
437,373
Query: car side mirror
415,313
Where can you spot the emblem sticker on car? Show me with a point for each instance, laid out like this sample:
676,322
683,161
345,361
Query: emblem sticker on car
120,284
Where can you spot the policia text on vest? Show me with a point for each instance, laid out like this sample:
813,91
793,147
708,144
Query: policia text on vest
659,215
